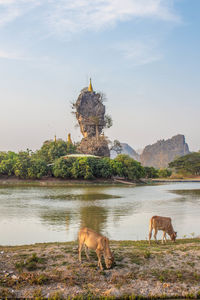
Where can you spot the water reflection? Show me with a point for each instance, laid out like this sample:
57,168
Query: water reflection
94,217
192,193
56,214
84,197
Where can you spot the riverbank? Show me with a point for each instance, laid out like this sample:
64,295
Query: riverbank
168,180
55,182
52,271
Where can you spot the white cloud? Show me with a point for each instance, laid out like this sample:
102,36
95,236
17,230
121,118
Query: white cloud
80,15
139,52
8,55
68,16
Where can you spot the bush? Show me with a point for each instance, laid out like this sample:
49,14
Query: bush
7,163
62,167
187,165
38,168
125,166
151,172
50,150
163,173
23,162
82,169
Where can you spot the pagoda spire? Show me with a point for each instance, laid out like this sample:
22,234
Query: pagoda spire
90,88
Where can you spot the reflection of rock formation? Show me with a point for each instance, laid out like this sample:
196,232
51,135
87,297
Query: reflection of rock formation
57,218
93,217
90,113
161,153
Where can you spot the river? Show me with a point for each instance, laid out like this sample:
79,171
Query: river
48,214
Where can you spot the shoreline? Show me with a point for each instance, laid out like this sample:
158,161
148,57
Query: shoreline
55,182
52,271
162,180
51,182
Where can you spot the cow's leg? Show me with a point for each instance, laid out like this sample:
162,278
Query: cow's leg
80,246
86,252
155,234
99,253
164,236
150,235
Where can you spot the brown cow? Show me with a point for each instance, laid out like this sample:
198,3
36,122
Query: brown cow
92,240
164,224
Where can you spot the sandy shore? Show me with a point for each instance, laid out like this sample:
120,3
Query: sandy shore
52,271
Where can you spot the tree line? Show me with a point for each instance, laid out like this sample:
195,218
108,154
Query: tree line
49,161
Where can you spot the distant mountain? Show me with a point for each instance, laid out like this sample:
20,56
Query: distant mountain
163,152
126,149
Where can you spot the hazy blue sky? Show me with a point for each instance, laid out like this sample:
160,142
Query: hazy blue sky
143,54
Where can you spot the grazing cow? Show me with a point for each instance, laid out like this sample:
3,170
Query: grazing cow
164,224
92,240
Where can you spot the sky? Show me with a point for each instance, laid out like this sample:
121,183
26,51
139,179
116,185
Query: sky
143,54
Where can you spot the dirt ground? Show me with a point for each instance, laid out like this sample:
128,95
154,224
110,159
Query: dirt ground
52,271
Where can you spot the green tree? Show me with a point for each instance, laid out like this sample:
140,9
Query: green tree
163,173
23,162
3,155
38,168
7,164
128,167
52,150
116,146
103,168
151,172
82,169
188,164
62,167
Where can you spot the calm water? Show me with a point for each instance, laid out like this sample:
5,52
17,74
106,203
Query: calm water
40,214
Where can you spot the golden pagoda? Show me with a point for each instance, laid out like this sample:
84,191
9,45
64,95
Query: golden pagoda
90,88
69,140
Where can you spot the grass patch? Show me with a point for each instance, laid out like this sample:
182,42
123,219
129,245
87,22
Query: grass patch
32,263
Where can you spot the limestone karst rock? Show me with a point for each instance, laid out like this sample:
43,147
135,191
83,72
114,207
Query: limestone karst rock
94,146
161,153
90,114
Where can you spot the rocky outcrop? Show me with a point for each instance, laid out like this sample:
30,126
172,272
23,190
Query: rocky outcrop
163,152
90,114
126,149
94,146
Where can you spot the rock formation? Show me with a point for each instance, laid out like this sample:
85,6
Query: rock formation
161,153
90,114
126,149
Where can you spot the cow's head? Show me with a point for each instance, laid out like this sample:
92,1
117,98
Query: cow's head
109,260
173,236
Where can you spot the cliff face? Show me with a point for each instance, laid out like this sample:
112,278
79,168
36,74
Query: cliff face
161,153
